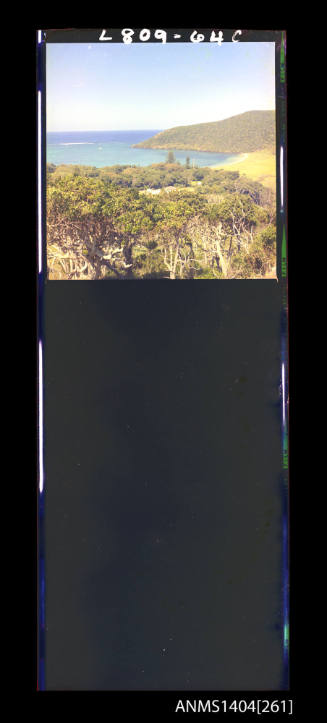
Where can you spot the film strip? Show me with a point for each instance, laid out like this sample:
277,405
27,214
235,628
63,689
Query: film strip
218,38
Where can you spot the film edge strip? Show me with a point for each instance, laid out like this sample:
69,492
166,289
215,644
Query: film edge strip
40,268
284,347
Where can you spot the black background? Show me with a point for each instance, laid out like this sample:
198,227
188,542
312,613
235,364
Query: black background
163,485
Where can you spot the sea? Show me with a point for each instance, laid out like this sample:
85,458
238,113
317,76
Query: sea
110,148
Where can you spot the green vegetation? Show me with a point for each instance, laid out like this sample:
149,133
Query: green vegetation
160,221
244,133
170,157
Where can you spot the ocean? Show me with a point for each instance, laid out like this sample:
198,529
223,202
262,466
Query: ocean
109,148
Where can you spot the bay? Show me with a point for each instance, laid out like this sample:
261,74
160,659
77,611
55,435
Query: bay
110,148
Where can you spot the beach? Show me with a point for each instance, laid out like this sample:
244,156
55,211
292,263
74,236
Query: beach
259,166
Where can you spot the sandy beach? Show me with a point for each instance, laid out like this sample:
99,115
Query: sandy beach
259,166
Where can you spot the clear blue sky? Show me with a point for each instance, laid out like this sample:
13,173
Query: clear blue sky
155,85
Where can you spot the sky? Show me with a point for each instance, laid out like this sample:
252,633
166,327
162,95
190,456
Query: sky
155,85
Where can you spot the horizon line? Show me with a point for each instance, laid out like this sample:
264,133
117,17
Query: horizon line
103,130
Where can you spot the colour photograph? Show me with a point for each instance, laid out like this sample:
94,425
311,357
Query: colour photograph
160,161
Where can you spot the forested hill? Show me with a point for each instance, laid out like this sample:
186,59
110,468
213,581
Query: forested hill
250,131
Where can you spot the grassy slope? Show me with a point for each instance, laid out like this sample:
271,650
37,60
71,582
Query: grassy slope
243,133
259,166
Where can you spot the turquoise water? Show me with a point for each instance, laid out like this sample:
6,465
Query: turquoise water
109,148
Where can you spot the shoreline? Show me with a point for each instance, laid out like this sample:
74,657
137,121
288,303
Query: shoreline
258,166
238,160
243,157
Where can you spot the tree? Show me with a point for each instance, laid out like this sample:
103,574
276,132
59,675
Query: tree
209,241
175,242
105,226
170,157
188,162
93,227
